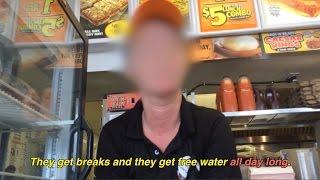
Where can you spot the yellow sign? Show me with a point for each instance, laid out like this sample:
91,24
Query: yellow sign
218,15
116,28
293,41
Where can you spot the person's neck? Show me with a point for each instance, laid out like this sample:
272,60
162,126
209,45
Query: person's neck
161,114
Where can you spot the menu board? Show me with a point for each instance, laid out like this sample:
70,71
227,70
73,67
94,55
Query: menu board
104,18
217,15
277,13
226,48
40,21
293,41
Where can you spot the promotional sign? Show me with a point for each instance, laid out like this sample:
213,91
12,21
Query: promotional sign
290,12
220,15
121,102
40,21
104,18
226,48
293,41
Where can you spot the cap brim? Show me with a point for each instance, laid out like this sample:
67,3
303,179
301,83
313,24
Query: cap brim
157,10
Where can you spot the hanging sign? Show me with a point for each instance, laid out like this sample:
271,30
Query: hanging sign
292,41
220,15
40,21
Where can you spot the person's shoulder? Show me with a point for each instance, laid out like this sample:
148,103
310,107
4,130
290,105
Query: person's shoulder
118,125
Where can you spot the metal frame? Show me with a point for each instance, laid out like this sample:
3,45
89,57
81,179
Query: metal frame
80,125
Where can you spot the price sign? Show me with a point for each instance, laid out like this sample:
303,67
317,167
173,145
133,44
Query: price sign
104,18
220,15
40,21
292,41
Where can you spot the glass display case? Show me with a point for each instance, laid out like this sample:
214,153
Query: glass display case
43,55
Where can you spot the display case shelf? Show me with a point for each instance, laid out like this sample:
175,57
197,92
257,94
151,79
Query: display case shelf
271,118
14,114
15,175
271,112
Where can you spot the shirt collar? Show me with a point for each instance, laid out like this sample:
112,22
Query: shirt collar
134,128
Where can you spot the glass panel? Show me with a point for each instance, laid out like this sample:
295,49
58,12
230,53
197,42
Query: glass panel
41,63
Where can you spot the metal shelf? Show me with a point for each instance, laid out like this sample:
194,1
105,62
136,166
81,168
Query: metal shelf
20,175
272,118
271,112
14,114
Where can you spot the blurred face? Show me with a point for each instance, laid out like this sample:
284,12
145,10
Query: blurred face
157,59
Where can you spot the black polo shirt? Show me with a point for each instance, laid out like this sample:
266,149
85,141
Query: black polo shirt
203,134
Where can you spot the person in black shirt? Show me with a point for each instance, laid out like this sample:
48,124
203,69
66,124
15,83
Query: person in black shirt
163,125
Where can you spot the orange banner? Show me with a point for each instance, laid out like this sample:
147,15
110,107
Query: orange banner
219,15
40,21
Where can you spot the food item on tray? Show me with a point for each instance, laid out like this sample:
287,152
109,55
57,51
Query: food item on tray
228,98
31,98
25,94
304,83
46,98
260,99
309,8
239,46
98,12
272,98
308,88
313,43
250,151
315,81
245,94
84,4
271,172
309,93
239,43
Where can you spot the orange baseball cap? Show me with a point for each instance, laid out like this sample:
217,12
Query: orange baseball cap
157,10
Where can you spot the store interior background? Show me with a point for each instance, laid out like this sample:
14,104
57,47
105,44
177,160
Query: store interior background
105,67
268,131
105,76
267,68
